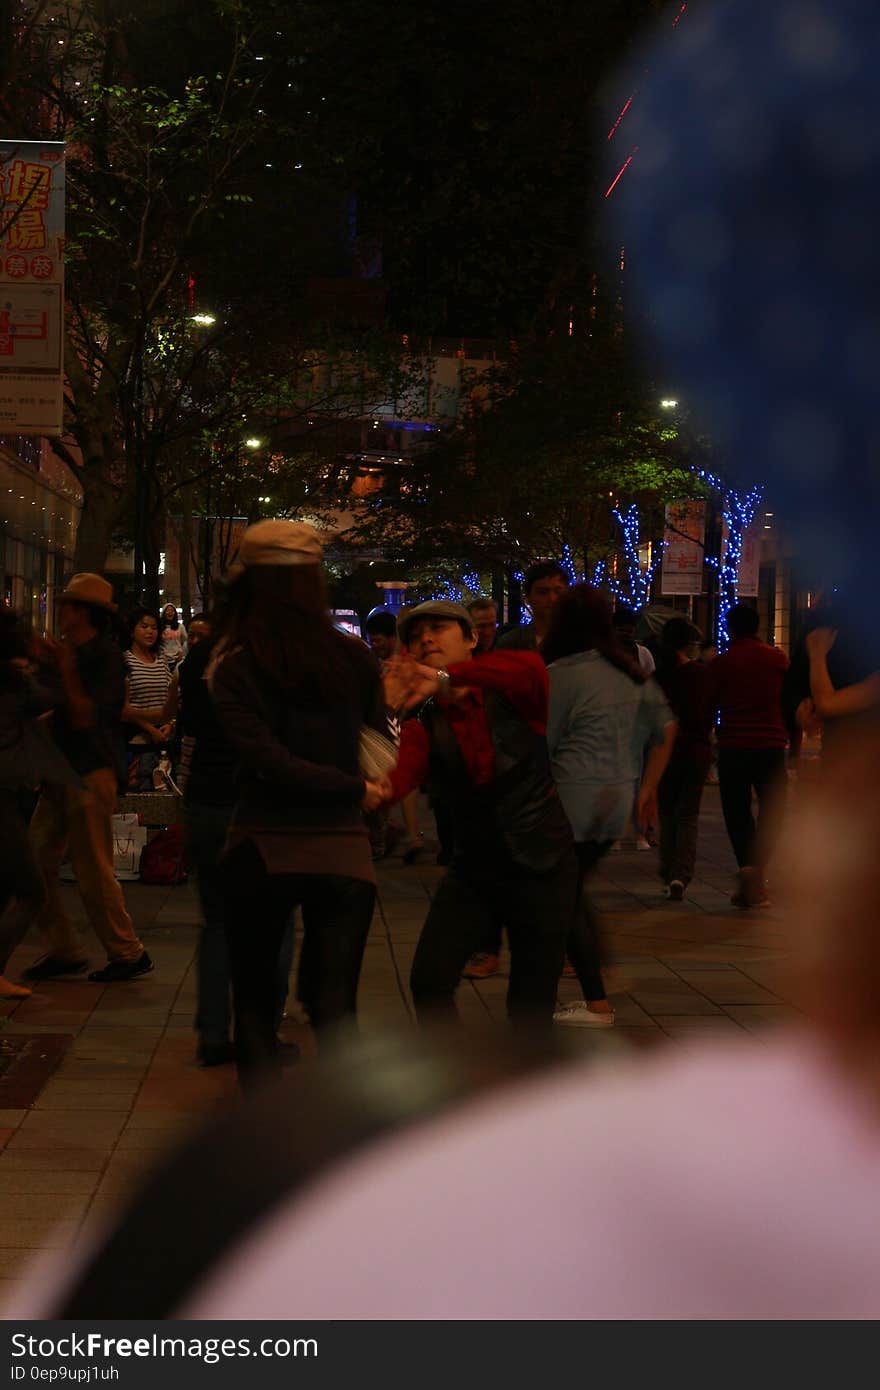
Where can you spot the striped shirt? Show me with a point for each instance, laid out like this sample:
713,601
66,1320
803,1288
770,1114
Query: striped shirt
149,682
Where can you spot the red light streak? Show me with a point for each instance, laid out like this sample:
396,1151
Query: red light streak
621,171
626,107
679,15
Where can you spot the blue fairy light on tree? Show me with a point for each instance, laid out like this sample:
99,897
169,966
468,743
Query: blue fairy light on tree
738,513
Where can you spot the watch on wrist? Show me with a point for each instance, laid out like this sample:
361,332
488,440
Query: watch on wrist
444,682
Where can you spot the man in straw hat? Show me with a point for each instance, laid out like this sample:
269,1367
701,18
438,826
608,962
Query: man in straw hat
88,732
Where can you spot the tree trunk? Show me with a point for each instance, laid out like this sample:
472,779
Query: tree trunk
514,598
183,549
153,542
94,536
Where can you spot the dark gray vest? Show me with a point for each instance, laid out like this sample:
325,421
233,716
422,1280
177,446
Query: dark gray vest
518,816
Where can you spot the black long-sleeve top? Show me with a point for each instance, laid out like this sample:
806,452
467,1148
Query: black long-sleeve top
299,786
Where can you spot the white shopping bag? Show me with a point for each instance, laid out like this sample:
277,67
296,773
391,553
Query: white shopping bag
128,845
377,755
129,839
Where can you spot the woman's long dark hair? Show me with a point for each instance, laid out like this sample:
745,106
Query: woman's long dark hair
677,635
134,618
279,614
581,622
169,622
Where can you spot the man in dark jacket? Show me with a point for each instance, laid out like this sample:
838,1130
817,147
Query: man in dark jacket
481,737
544,585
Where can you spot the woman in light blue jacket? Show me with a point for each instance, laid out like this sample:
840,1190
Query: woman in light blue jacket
604,714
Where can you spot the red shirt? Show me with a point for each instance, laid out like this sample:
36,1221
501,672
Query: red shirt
521,677
745,686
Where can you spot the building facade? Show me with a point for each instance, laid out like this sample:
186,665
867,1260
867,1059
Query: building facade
40,505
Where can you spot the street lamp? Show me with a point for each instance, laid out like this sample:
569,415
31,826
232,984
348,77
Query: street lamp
253,443
204,320
668,404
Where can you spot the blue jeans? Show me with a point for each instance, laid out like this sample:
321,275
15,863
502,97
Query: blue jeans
206,831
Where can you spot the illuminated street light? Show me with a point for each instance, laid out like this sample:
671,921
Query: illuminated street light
668,404
253,443
204,320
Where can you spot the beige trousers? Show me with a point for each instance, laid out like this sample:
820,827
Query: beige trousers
79,823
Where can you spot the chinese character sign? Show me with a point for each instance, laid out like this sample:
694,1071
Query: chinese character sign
684,549
31,287
749,572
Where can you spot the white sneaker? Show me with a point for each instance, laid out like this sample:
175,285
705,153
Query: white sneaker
579,1016
642,843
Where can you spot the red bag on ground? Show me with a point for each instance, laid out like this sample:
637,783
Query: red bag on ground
163,861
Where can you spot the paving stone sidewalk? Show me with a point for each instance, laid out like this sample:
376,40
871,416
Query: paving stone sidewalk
96,1081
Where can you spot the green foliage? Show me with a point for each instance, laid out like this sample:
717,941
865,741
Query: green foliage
555,438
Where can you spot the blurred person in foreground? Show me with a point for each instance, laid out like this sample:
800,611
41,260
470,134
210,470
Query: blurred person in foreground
683,680
610,733
27,759
841,660
745,686
292,695
480,738
843,675
735,1183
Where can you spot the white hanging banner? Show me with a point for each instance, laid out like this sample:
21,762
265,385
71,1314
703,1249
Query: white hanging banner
684,549
31,287
748,572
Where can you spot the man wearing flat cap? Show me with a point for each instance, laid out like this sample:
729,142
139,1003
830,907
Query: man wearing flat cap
480,739
88,731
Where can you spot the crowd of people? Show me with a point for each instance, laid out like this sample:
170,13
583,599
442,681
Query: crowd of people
540,748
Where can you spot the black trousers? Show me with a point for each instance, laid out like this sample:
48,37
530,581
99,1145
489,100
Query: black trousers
337,912
584,943
537,910
445,826
206,830
678,802
742,772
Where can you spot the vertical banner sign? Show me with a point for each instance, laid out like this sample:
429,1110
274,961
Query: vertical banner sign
31,287
684,549
749,570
